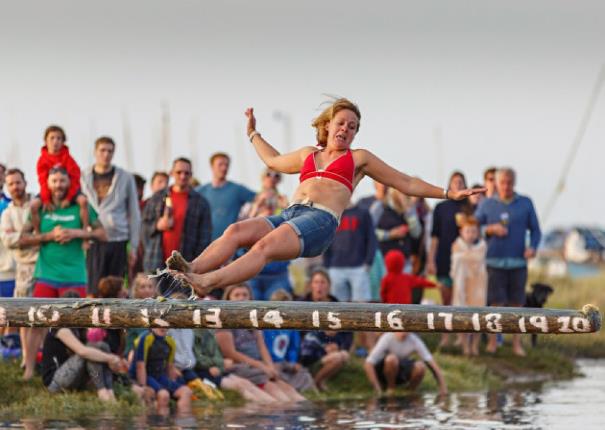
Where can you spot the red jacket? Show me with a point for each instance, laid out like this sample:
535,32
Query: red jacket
47,161
396,287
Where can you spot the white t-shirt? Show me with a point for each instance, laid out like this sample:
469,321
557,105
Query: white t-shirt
389,344
184,358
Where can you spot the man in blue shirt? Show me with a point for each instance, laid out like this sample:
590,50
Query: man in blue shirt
507,217
226,198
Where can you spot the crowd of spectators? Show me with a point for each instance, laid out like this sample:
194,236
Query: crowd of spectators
91,233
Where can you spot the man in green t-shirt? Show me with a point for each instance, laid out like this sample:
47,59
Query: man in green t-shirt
61,265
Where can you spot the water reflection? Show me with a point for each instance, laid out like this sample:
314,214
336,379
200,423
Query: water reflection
552,406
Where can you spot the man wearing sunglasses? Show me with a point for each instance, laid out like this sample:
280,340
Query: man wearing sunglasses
175,218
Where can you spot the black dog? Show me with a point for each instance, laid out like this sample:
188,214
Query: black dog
536,298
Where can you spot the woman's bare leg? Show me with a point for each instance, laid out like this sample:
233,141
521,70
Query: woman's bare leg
241,234
290,391
280,244
247,389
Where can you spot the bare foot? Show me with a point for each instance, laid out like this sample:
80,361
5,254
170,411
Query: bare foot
197,283
491,348
519,351
178,263
28,375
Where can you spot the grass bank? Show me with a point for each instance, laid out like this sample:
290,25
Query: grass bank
573,294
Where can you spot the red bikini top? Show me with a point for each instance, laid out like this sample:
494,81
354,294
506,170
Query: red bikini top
341,169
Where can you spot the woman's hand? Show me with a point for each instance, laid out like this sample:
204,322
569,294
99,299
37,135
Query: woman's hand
251,126
463,194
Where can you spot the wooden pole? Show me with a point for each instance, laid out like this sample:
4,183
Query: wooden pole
123,313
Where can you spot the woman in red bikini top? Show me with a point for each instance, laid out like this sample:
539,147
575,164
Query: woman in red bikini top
328,176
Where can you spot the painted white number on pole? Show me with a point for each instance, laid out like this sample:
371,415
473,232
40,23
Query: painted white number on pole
378,319
430,321
273,317
522,327
213,318
394,321
565,323
254,318
334,321
476,323
581,325
447,320
539,322
315,316
493,323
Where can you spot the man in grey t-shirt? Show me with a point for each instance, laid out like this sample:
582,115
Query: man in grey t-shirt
389,363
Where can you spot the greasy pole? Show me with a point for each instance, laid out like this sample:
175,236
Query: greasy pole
125,313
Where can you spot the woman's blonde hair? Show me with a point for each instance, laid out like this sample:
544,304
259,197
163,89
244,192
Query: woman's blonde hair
141,278
326,116
230,289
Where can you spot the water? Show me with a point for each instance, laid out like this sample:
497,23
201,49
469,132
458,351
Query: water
558,405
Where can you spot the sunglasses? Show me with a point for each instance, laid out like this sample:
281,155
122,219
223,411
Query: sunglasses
273,175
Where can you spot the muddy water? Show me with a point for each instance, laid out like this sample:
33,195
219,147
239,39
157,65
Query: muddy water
578,403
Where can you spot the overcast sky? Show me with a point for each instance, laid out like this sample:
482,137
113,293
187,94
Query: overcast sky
441,85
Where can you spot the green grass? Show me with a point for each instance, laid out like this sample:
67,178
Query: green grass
573,294
31,399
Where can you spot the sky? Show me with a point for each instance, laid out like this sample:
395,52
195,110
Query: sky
442,86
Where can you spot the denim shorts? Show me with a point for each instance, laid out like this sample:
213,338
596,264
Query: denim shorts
314,227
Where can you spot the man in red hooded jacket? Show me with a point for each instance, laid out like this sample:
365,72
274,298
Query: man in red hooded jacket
396,286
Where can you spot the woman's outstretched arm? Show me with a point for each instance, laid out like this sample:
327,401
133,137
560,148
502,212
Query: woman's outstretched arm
377,169
285,163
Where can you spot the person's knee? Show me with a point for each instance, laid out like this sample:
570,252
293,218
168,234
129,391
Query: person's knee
233,230
184,392
391,360
418,370
163,397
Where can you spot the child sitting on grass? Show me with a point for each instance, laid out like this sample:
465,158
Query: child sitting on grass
55,153
143,287
153,366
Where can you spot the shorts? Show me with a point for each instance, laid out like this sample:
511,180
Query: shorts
205,374
350,284
406,365
446,281
163,382
7,288
315,227
24,280
44,289
506,287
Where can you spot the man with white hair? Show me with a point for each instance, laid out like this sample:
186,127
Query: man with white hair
507,217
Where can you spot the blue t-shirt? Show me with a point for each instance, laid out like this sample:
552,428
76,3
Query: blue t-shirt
4,202
283,345
225,204
519,217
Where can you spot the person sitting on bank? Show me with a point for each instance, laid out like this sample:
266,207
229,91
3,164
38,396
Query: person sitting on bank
153,365
284,346
247,349
389,363
69,364
328,348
